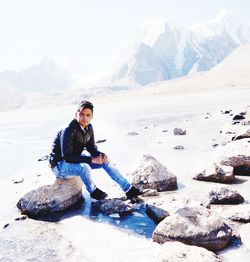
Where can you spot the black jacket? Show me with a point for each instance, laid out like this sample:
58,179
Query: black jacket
70,142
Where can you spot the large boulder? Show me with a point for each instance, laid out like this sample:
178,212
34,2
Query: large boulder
152,174
51,198
178,252
194,226
225,195
216,173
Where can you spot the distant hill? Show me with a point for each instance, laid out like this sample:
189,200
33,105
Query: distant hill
46,76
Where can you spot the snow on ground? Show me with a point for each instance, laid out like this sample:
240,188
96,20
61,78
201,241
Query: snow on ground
26,135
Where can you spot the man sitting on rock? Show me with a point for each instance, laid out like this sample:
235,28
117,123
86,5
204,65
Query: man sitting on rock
66,158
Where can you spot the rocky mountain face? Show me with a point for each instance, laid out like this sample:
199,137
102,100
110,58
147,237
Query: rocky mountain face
164,50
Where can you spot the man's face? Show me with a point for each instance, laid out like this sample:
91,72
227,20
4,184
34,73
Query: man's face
84,117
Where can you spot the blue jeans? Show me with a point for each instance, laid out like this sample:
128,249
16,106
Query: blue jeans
65,169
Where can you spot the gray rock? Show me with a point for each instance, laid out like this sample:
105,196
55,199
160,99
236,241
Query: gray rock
234,154
150,193
152,174
172,201
242,170
216,173
18,180
179,131
31,240
178,147
133,133
178,252
235,161
194,226
242,134
239,213
51,198
112,206
225,195
156,213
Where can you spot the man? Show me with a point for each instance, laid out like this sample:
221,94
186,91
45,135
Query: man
66,158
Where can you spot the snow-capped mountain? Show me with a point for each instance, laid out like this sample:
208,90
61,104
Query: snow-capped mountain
46,76
164,50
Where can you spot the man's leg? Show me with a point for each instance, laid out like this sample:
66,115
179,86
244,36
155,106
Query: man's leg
83,170
64,170
115,174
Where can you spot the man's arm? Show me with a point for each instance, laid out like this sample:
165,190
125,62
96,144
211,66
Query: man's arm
91,146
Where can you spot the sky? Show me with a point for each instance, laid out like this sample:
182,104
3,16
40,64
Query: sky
90,31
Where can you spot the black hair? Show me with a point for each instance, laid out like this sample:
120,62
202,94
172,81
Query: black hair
84,104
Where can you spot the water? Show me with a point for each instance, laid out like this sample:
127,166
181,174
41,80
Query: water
137,222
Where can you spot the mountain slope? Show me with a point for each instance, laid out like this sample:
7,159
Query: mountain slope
46,76
164,50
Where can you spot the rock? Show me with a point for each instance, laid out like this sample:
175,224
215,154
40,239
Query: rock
235,161
194,226
164,130
242,170
225,195
176,252
216,173
152,174
234,154
238,117
239,213
51,198
6,225
156,213
112,206
31,240
101,141
242,134
171,202
43,158
179,131
150,193
226,112
20,218
133,133
178,147
18,180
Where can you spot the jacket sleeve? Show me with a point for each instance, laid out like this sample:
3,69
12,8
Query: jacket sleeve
91,146
67,146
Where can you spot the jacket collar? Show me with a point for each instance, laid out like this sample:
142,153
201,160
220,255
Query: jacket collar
76,124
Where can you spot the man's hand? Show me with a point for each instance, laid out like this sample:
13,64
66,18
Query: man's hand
97,160
105,158
100,159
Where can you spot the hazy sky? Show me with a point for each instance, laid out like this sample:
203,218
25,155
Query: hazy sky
89,30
